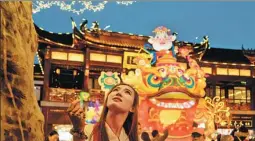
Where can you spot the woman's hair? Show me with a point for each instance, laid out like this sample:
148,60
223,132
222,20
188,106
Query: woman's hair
52,133
145,136
130,125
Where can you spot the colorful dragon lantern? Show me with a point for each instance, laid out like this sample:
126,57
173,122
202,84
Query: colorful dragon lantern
170,93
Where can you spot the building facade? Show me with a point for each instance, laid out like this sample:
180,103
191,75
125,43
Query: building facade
70,63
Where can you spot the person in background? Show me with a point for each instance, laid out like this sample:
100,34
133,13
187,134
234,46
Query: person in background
157,137
145,136
242,134
234,130
226,138
198,135
139,132
53,136
139,128
154,133
219,137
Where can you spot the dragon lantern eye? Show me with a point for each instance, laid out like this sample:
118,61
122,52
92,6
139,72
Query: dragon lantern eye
154,81
161,70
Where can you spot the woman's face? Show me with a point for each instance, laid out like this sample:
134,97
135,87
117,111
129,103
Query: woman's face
121,98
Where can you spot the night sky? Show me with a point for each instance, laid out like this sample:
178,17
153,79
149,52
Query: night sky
228,24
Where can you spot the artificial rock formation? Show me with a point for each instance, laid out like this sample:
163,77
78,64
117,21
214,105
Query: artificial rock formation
18,44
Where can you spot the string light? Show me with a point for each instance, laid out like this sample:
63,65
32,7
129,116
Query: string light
40,64
52,42
224,63
67,33
72,6
125,2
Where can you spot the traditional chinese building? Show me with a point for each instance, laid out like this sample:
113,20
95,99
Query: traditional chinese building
72,62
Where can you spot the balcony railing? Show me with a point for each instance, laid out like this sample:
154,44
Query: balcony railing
69,95
63,95
239,106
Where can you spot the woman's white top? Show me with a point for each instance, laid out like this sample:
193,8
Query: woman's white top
112,137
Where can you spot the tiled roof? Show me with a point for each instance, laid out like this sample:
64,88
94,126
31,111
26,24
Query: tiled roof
104,38
64,38
225,55
108,38
116,39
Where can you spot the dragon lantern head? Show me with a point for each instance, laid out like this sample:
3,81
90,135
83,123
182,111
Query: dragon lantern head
166,78
168,88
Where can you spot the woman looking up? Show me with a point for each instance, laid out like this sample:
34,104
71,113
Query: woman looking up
118,121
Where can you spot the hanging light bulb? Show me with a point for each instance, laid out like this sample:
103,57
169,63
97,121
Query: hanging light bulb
74,72
58,71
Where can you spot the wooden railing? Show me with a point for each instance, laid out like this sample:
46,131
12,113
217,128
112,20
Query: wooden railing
237,106
69,95
63,95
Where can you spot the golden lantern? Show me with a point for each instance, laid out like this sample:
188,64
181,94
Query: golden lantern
58,71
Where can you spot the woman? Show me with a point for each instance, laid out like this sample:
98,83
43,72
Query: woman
118,121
